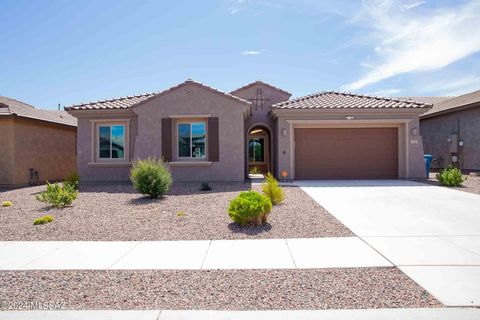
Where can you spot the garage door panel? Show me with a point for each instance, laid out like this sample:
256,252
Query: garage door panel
346,153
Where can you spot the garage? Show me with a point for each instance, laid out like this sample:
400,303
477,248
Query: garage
346,153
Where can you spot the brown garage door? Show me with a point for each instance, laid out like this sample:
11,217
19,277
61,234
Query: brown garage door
341,153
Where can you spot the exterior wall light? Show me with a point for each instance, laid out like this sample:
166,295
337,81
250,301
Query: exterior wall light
414,131
284,132
349,117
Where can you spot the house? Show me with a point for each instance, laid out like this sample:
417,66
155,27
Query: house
210,135
35,144
451,132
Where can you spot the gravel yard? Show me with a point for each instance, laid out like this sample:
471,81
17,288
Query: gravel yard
118,212
218,289
472,184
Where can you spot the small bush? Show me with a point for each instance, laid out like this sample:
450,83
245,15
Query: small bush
272,190
250,207
73,179
151,176
181,214
57,195
43,220
254,170
7,204
450,177
205,186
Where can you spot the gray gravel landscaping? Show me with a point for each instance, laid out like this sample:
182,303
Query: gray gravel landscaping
472,184
219,289
118,212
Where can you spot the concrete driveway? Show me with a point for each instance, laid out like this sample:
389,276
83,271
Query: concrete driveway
431,233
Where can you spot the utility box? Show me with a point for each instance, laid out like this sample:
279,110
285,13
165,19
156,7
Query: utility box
453,143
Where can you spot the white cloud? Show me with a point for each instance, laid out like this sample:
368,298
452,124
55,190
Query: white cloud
250,53
386,92
405,41
455,87
235,7
412,5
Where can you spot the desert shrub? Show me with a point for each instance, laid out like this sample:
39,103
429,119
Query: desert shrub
151,177
43,220
181,214
272,190
450,177
57,195
254,170
73,179
205,186
250,207
7,204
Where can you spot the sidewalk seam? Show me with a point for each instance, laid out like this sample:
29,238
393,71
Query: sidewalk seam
206,253
124,255
291,254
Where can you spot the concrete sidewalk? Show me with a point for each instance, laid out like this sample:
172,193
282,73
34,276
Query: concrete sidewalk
362,314
347,252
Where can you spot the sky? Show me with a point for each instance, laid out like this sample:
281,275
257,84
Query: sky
70,51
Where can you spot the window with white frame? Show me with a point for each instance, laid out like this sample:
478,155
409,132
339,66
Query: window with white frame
111,141
191,139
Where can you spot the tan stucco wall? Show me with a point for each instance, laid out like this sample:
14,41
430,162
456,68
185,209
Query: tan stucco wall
262,116
46,147
145,139
193,100
6,150
411,163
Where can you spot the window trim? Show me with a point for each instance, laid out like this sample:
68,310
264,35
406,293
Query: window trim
95,150
111,141
177,144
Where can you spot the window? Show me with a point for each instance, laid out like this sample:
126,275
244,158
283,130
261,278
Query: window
255,150
111,142
191,140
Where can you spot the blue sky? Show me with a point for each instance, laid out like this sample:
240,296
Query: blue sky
73,51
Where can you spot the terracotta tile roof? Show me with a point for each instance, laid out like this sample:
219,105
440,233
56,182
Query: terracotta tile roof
424,99
132,101
262,83
453,104
340,100
9,106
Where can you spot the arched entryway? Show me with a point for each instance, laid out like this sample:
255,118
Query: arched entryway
259,149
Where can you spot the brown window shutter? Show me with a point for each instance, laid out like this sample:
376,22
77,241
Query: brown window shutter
213,139
167,139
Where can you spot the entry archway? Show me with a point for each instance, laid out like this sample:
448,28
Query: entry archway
259,146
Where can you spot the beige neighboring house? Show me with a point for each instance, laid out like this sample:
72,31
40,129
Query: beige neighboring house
35,144
209,135
451,132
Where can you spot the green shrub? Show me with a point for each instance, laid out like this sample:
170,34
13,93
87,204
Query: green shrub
43,220
254,170
57,195
73,179
250,207
450,177
272,190
205,186
7,204
151,176
181,214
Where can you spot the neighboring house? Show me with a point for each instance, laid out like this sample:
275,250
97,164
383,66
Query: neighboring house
451,132
210,135
35,145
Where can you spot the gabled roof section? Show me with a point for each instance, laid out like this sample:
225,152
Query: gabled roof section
464,101
341,100
260,82
9,106
133,101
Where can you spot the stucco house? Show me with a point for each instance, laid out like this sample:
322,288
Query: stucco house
35,144
210,135
451,132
